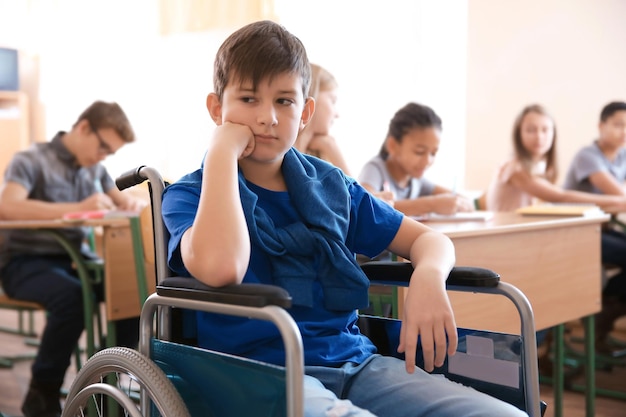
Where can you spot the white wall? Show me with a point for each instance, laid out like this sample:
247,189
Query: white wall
383,54
567,55
476,62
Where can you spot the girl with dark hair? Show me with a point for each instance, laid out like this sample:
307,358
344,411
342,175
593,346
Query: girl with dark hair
408,151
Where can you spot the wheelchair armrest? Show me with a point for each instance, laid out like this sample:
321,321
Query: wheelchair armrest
251,295
399,274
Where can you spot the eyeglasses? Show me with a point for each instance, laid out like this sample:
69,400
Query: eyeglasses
103,147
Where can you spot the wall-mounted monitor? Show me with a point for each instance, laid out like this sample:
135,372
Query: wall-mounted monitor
9,70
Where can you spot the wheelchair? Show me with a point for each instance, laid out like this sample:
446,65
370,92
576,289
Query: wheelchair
166,377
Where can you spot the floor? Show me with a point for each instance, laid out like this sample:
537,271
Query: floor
14,381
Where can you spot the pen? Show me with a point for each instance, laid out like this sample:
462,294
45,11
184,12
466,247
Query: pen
98,185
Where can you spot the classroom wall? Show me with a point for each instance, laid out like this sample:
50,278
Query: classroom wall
476,62
384,54
567,55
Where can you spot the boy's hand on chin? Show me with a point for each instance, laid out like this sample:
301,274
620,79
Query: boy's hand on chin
237,135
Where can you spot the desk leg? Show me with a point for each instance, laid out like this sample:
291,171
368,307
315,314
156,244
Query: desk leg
590,366
557,369
111,339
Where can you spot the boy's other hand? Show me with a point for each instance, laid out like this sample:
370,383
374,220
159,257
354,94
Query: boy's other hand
428,316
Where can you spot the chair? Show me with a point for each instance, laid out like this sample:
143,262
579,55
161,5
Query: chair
164,376
25,315
25,310
89,272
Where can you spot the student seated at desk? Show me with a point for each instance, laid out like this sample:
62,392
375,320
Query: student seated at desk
530,174
258,210
600,168
398,170
315,139
45,182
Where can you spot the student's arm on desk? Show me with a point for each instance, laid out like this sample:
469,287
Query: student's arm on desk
440,203
125,201
607,183
549,192
15,205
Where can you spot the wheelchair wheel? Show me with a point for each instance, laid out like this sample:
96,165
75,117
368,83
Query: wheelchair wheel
116,377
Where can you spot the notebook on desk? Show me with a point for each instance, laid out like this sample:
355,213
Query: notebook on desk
582,210
468,216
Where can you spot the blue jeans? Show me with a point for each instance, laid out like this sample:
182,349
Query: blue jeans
382,386
52,282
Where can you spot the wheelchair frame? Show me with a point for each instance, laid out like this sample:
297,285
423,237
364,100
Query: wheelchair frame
268,302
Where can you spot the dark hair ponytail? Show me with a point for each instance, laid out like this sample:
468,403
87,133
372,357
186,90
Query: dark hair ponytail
411,116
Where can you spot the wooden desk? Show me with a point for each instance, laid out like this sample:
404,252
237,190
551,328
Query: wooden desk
120,278
554,261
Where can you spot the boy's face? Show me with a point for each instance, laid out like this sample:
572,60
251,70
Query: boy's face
96,144
613,129
275,112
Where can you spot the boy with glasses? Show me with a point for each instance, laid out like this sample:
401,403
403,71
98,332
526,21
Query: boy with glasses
45,182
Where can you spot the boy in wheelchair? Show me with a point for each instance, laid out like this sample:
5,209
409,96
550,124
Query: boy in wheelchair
258,211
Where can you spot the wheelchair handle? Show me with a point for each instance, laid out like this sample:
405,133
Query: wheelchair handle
130,178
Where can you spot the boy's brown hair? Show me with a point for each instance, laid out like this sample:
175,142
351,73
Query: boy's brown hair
103,115
258,51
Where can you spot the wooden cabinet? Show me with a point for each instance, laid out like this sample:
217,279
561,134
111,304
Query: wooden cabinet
14,125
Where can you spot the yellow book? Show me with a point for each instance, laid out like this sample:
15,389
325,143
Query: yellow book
583,210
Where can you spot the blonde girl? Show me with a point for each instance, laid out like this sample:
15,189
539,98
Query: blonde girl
530,175
315,138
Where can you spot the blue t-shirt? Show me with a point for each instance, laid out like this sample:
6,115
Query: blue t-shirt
330,338
589,160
